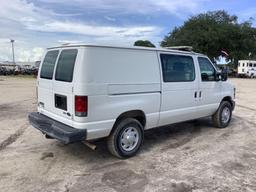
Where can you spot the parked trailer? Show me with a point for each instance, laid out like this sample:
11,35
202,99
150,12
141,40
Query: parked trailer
246,68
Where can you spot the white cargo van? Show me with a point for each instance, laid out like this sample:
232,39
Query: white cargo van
87,92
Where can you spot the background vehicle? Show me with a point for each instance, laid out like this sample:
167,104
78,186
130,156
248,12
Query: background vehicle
87,92
251,73
244,66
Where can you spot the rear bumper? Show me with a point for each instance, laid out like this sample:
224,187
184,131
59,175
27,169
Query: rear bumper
56,129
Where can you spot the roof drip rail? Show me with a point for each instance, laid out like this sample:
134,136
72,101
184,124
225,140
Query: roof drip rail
181,48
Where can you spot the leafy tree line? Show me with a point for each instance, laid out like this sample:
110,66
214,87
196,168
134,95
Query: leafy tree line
213,32
144,43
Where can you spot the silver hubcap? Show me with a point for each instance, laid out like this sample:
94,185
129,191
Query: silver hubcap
225,115
129,138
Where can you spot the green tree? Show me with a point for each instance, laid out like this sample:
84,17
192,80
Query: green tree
144,43
211,32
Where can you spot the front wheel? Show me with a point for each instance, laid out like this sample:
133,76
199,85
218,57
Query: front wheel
223,115
126,138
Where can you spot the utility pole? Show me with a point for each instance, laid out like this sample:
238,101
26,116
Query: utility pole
13,58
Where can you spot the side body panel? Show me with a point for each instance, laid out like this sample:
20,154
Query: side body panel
211,96
178,99
116,81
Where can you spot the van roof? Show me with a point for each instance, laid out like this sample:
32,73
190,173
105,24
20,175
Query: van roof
169,49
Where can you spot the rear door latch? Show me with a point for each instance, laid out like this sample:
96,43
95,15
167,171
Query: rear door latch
41,104
67,113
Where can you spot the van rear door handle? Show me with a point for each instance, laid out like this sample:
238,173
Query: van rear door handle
66,113
195,94
200,94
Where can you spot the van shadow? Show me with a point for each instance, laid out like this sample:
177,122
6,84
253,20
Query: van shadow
168,137
175,135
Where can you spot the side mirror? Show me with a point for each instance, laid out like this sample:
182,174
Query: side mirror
218,76
224,75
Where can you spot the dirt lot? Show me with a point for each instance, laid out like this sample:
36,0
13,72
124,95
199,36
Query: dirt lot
191,156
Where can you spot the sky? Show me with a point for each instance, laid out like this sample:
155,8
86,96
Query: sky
38,24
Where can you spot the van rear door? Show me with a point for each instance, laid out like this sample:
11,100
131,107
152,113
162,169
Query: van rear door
45,83
55,85
63,84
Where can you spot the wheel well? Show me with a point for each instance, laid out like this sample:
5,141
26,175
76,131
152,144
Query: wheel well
229,99
136,114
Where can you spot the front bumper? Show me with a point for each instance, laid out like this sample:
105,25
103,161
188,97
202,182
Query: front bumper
56,129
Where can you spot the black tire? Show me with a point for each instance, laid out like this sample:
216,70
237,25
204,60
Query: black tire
217,119
114,142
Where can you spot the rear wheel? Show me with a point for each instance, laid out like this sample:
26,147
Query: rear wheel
126,138
223,115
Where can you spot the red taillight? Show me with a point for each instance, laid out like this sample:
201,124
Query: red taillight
81,106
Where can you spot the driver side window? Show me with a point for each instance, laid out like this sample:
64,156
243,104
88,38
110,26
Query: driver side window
206,69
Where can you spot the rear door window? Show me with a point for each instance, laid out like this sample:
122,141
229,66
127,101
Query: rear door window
48,64
65,66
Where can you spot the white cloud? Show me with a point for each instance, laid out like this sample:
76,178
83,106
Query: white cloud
33,54
4,40
22,11
38,19
179,7
24,21
175,7
21,54
110,18
69,41
247,14
93,30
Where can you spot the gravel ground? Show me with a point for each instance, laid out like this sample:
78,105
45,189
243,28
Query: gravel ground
191,156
